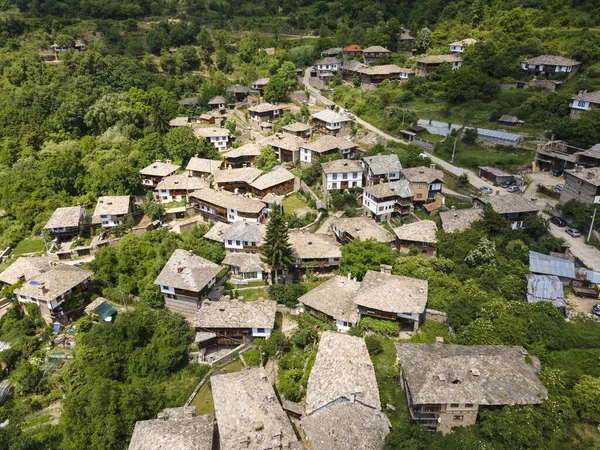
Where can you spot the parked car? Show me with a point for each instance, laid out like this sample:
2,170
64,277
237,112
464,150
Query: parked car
331,90
573,232
508,183
558,221
596,309
558,187
512,189
486,190
557,173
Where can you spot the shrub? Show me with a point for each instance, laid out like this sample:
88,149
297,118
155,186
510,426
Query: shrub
373,345
252,358
303,337
386,327
286,294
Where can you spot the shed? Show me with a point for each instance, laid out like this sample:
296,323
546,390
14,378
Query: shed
495,175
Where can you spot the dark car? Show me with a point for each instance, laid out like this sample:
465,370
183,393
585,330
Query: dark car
508,183
557,172
596,309
558,221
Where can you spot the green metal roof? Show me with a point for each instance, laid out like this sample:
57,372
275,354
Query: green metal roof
105,310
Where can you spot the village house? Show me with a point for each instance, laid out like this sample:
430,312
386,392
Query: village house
223,206
510,121
393,297
351,52
372,54
429,64
113,211
328,65
67,222
583,101
311,152
202,167
457,220
234,321
183,121
376,74
185,280
421,235
405,40
335,51
264,112
549,64
351,69
343,408
219,137
236,180
546,288
582,185
557,155
249,414
156,171
177,188
446,385
346,229
382,168
279,182
174,429
426,183
459,46
244,267
210,119
49,289
25,269
243,156
286,146
259,85
239,91
188,101
243,237
562,268
341,174
515,208
217,103
333,302
302,130
330,122
315,251
494,175
382,201
589,157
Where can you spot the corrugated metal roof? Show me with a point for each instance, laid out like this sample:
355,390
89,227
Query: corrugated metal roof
544,288
549,265
591,276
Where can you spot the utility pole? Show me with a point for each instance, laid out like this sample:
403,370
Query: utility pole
454,149
592,225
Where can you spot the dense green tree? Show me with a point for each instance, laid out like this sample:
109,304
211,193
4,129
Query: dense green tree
267,159
277,249
359,256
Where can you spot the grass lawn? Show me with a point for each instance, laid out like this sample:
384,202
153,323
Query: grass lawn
472,156
296,172
203,400
29,245
458,204
235,366
251,295
293,202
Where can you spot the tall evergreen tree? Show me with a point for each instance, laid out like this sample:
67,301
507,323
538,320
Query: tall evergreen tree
277,249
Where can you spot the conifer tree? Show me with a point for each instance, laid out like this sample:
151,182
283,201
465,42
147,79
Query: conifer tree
277,249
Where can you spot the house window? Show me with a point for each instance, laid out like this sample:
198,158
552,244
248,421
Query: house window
419,195
333,185
453,405
250,275
345,176
229,242
334,176
468,405
420,186
354,184
457,418
238,242
260,330
581,103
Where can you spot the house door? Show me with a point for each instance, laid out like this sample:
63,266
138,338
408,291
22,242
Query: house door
344,185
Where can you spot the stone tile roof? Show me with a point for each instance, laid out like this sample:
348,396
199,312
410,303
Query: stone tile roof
174,429
421,231
218,100
115,205
376,49
438,59
592,97
422,174
235,314
245,262
238,88
329,116
244,175
203,165
460,219
508,119
478,374
342,371
383,164
54,283
342,166
468,41
354,66
329,143
363,228
183,181
250,149
187,271
508,204
273,199
26,268
399,188
328,60
217,231
313,246
495,171
264,107
392,293
69,216
271,179
245,231
335,298
297,127
552,60
248,412
386,69
159,169
226,199
346,426
208,132
285,141
179,122
261,81
332,51
591,175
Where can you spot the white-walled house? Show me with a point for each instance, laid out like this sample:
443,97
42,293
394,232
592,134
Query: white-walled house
244,237
330,122
176,188
342,174
244,267
382,168
583,101
219,137
224,206
67,222
327,65
152,174
382,201
113,211
459,46
547,64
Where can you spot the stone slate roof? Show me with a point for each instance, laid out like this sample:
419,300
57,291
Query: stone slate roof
261,81
329,143
203,165
508,119
244,174
507,204
245,262
383,164
328,60
244,231
238,88
468,41
376,49
552,60
335,298
285,141
342,166
235,314
250,149
264,107
273,199
363,228
271,179
54,283
460,219
313,246
392,293
179,122
115,205
217,231
65,217
354,66
329,116
26,268
438,59
183,181
496,171
346,426
159,169
421,231
208,132
386,69
226,199
398,188
590,175
297,127
187,271
592,97
248,412
342,369
174,429
422,174
218,100
478,374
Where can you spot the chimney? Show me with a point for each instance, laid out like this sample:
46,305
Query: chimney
236,191
432,166
349,275
439,340
180,270
452,207
168,161
385,268
196,155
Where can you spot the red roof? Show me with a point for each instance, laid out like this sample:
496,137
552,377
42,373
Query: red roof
353,48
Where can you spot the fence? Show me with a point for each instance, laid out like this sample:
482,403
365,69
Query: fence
423,144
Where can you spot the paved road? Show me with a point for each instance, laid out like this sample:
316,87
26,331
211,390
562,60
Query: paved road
586,253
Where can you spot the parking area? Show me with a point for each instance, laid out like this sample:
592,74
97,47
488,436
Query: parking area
581,305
